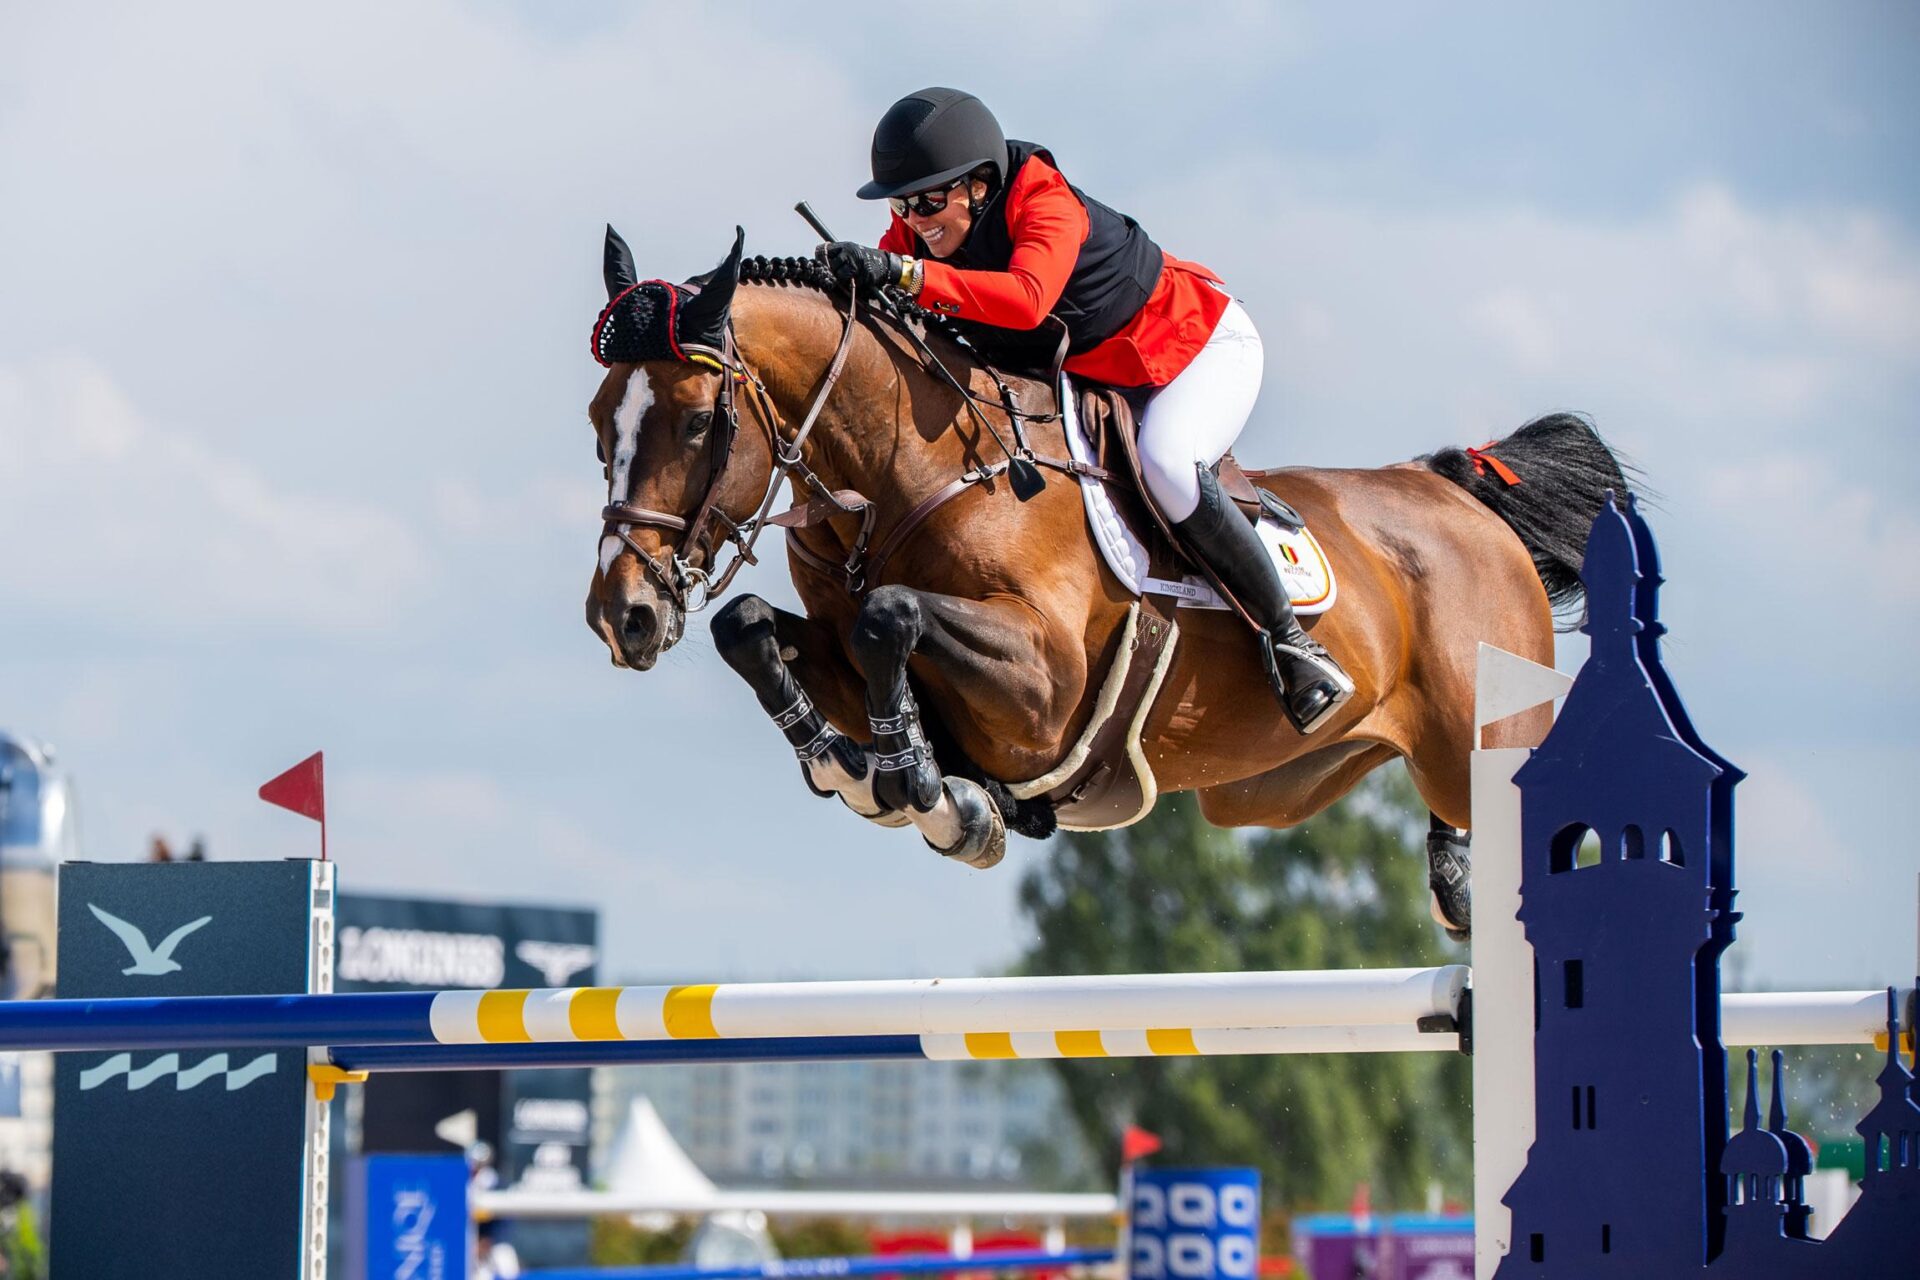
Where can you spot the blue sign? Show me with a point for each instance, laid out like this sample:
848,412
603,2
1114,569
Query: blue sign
141,1133
1195,1224
407,1218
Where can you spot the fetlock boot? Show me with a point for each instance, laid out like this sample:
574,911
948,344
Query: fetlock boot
1450,879
1307,681
905,775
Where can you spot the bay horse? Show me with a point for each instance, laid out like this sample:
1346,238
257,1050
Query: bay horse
918,689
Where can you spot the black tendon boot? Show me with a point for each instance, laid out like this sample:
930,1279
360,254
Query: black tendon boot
1449,868
1304,676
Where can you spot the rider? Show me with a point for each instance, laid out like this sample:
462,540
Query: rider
988,231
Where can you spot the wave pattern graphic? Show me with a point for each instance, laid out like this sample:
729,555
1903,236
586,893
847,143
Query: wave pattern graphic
121,1064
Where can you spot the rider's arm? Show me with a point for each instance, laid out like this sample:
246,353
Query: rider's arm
1049,224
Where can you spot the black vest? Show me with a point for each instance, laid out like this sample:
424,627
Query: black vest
1116,272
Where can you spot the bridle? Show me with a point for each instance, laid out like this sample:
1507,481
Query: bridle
691,587
688,584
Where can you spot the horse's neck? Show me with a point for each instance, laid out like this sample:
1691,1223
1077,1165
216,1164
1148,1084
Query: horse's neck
885,430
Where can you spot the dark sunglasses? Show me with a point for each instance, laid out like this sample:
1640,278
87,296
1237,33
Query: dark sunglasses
924,203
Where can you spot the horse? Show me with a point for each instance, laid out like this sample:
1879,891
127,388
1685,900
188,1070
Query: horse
955,637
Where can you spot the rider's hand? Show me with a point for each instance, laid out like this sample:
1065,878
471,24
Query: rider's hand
873,269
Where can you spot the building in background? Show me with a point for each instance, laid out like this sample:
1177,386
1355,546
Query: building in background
39,829
907,1124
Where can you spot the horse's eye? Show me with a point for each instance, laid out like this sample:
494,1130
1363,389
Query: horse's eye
697,425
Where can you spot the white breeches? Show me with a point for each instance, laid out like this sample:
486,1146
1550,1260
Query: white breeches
1196,417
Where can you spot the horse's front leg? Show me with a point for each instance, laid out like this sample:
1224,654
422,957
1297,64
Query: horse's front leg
971,643
755,639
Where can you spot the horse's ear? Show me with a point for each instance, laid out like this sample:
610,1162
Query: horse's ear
618,263
703,317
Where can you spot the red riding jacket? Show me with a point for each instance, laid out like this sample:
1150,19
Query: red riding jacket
1047,228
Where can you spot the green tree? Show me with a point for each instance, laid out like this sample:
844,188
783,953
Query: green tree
1347,890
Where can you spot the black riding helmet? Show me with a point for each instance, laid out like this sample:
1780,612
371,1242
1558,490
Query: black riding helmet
931,137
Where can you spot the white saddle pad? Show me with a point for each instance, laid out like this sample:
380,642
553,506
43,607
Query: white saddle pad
1302,564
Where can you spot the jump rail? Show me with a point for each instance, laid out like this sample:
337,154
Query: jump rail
1156,1004
1325,1011
829,1268
943,1206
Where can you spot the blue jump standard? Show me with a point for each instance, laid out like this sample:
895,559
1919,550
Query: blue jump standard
827,1268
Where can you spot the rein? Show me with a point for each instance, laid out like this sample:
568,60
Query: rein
692,588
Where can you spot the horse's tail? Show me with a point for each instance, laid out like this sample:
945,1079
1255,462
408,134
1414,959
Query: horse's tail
1547,481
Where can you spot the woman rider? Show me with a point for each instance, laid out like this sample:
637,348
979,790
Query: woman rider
988,231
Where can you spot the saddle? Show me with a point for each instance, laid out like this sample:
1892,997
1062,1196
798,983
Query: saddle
1105,780
1111,418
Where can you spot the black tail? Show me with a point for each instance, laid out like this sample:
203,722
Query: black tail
1564,471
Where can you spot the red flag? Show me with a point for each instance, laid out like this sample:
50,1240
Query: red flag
1136,1143
303,789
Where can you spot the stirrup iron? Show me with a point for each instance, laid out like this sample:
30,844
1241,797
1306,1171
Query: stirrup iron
1327,672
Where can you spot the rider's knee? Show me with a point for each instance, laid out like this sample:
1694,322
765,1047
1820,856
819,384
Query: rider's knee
739,623
1171,479
889,617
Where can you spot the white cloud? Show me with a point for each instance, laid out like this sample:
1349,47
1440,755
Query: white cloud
1828,537
509,507
1522,324
1700,330
123,522
1828,898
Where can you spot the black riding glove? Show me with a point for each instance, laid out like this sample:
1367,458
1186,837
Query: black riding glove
872,269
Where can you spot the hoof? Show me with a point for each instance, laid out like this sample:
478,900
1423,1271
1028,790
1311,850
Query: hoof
983,834
1450,884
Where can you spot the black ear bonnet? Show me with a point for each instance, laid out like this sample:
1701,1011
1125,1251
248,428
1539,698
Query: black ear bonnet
656,320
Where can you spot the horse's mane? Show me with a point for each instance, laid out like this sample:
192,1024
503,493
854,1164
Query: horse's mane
810,273
814,275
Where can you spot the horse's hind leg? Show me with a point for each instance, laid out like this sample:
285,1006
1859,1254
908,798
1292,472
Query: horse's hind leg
1449,877
965,639
1441,768
1289,794
1295,791
752,636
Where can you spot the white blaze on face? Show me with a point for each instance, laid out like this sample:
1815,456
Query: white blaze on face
626,443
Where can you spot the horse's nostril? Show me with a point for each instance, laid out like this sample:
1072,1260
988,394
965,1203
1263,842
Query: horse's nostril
640,622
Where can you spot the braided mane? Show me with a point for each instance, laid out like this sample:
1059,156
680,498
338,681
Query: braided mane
807,272
977,346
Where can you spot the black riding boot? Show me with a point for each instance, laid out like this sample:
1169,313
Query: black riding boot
1305,678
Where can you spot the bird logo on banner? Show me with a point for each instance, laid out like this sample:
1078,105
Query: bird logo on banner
148,961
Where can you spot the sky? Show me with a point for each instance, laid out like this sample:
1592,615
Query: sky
293,378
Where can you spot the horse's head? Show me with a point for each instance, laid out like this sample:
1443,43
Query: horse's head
666,422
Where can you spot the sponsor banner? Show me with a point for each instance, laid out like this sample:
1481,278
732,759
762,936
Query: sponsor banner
532,1127
407,1218
1428,1248
549,1124
417,944
148,1172
1195,1224
1397,1246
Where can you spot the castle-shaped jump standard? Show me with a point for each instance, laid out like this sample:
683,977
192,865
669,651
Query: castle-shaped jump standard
1631,1172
